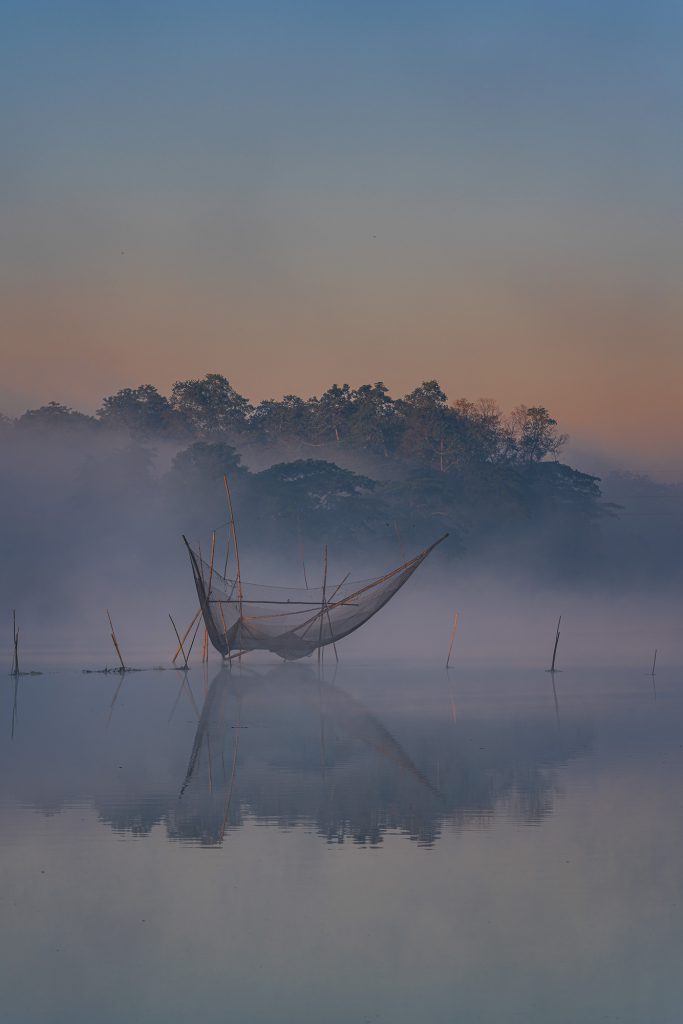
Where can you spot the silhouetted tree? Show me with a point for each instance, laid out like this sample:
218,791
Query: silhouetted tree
55,416
211,405
142,411
289,418
535,434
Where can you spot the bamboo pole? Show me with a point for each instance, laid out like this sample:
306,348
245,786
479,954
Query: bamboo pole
234,541
654,663
15,644
557,640
213,551
179,640
238,571
186,634
194,637
323,606
450,649
115,641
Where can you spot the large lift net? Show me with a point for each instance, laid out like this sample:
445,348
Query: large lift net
291,622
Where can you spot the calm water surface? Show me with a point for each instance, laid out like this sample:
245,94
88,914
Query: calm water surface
385,844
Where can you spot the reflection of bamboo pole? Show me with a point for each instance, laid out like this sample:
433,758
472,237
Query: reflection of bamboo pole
113,636
179,640
186,634
450,649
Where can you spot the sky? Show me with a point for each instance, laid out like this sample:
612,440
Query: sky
297,194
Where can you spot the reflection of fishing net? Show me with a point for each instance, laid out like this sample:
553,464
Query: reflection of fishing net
291,622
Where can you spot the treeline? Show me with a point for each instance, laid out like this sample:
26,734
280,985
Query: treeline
354,467
421,427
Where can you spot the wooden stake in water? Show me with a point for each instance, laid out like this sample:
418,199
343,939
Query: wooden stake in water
557,640
116,645
15,655
450,649
654,663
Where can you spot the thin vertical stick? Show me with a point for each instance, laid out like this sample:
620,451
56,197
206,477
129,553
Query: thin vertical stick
238,571
205,649
323,606
213,551
329,622
557,640
234,540
15,633
113,636
227,552
450,649
654,662
179,640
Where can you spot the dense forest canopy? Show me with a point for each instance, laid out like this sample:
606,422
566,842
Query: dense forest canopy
421,427
370,474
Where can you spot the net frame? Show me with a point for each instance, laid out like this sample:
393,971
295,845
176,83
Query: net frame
291,622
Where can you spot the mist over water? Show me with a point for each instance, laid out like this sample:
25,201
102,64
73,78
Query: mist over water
374,839
90,523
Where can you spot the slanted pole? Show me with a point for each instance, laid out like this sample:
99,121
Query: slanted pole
185,635
179,640
654,663
450,649
557,640
116,645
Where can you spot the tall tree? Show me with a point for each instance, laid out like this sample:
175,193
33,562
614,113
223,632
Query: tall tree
142,411
535,434
210,405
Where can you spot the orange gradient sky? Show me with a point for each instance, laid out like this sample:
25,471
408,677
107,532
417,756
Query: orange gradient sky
375,194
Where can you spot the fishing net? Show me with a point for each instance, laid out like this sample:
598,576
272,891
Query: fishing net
291,622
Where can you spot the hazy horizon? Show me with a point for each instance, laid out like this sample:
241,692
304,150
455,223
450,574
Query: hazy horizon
283,192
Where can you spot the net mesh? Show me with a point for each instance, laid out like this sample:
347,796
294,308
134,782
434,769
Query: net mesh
291,622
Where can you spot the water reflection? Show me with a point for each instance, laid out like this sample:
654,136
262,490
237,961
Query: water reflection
286,748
